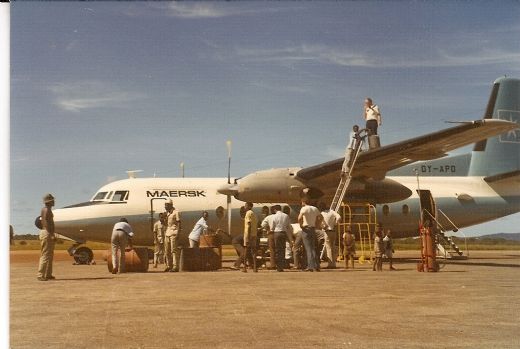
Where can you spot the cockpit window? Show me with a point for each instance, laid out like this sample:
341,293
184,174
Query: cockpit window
120,195
100,196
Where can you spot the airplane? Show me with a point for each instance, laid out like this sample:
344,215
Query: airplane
397,179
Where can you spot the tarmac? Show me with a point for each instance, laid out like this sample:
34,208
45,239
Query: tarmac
468,304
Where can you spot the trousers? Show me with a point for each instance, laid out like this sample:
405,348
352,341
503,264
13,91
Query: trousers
272,250
309,241
298,242
47,242
119,242
279,245
171,252
372,126
330,247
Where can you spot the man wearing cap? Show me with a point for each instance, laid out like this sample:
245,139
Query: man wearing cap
121,237
47,240
173,226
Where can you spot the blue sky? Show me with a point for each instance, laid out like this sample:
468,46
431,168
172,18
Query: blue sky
98,88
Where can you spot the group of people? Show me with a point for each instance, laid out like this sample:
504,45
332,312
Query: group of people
277,226
166,232
317,229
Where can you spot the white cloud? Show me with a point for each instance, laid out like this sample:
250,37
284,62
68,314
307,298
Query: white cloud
198,10
338,56
81,95
201,10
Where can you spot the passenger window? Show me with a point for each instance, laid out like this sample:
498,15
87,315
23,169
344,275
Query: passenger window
386,210
406,209
100,196
120,195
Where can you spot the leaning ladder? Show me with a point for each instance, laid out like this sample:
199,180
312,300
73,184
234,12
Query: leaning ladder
346,178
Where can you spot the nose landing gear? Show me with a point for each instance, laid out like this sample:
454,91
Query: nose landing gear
82,255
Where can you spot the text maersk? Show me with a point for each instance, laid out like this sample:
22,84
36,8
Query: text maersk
175,193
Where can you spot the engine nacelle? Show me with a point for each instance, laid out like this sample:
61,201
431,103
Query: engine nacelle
275,185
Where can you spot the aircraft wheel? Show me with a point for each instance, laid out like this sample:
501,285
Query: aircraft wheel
83,255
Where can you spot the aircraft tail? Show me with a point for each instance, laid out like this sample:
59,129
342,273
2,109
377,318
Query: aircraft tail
501,154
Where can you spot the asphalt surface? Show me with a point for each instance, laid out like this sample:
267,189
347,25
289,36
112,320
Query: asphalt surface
468,304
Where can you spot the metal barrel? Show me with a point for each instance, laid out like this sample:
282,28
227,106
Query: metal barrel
136,260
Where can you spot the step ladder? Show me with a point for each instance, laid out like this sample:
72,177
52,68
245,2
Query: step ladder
443,238
346,176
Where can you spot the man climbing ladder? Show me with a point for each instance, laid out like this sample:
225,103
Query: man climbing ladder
351,154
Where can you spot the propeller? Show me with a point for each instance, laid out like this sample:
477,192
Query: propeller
228,208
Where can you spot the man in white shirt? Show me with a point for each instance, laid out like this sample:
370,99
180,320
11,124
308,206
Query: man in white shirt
121,237
269,233
200,227
330,219
372,116
309,219
282,230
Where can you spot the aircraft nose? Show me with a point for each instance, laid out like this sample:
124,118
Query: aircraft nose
228,189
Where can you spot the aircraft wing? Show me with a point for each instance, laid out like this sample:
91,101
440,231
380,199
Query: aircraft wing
375,163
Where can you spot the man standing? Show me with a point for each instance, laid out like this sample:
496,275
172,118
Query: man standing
47,240
159,229
330,219
372,116
349,247
200,227
282,231
389,248
378,250
267,227
173,226
121,237
310,218
250,232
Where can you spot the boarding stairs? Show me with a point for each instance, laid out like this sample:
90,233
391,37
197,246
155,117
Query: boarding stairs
444,239
346,175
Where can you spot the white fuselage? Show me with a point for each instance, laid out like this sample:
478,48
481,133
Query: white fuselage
466,200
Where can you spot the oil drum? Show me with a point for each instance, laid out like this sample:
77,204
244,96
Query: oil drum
136,260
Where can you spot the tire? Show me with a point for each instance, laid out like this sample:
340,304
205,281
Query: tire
83,255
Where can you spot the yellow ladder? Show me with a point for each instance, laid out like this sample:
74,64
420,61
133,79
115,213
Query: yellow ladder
362,219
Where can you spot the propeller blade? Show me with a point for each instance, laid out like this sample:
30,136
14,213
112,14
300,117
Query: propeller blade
228,209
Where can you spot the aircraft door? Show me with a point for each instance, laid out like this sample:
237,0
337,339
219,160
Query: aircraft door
428,207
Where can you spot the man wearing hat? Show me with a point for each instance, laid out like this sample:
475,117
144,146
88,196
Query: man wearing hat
47,240
173,226
121,237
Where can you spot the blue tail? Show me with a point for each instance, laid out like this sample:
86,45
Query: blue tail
501,154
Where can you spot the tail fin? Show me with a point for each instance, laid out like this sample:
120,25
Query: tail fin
500,154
